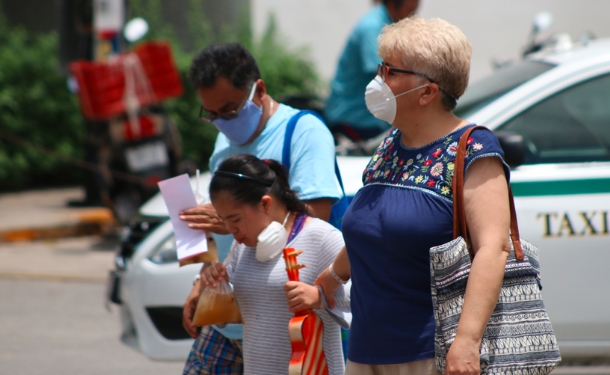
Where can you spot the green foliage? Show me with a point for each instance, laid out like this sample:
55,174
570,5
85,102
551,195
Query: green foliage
285,72
35,105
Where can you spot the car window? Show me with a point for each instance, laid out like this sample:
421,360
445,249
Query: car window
488,89
571,126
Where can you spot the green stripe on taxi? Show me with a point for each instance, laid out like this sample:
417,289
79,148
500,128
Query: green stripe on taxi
561,187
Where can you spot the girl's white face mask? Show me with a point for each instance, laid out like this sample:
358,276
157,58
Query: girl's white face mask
271,241
381,101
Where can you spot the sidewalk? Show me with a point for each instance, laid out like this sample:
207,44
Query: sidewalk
41,237
45,214
82,259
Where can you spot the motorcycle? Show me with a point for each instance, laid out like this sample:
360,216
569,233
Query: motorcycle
536,43
130,137
153,156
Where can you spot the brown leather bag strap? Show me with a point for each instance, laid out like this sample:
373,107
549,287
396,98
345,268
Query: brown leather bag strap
459,214
514,227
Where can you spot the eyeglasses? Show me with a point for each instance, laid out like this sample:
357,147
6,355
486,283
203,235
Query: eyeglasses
384,70
205,116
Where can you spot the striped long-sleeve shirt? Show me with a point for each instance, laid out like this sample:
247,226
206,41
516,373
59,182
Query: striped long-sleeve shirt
259,291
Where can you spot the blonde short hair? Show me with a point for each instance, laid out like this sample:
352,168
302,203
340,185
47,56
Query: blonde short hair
433,47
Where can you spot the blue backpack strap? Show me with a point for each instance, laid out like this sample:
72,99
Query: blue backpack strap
339,208
292,123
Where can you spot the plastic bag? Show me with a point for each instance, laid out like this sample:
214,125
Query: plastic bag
217,306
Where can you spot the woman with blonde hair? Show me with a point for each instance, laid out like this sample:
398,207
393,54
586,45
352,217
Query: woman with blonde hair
405,208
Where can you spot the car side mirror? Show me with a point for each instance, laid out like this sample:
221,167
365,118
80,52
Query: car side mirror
513,145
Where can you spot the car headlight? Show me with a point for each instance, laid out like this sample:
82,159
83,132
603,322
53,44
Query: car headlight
166,252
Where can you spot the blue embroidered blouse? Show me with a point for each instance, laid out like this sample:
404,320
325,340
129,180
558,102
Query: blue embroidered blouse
403,209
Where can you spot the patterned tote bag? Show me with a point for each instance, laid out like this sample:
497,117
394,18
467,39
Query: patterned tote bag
519,338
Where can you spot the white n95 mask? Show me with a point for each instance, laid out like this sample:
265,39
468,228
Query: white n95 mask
381,101
271,240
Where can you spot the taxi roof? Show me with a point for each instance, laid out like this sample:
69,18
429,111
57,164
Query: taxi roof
568,52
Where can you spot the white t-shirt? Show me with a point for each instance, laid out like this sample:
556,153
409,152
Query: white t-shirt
259,291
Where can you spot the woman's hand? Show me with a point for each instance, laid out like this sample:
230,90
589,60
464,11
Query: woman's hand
463,358
329,285
302,296
211,275
204,217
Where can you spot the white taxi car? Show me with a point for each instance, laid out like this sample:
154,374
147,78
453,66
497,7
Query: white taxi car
551,113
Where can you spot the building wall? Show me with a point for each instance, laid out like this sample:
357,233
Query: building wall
497,29
321,25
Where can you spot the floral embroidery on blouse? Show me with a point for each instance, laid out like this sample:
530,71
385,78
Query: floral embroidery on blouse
430,169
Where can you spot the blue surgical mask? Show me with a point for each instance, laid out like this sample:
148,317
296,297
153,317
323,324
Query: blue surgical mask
241,128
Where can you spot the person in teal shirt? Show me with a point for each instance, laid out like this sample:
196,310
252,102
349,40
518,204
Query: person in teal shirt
345,109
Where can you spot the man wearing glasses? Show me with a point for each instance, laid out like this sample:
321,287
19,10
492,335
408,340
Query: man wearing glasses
234,99
345,109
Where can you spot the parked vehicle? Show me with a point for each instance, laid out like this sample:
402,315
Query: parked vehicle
130,137
551,114
153,155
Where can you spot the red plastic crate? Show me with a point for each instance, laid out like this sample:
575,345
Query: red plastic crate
102,84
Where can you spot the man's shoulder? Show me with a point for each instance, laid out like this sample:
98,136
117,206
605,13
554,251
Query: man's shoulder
277,123
309,125
307,122
309,130
284,112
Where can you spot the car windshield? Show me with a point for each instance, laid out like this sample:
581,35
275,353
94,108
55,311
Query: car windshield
488,89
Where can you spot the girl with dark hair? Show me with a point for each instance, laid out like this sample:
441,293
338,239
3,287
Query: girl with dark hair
234,99
264,216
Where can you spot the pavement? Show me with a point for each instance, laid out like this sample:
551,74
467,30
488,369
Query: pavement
42,237
45,214
75,259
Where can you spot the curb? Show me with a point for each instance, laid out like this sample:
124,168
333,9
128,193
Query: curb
53,277
94,221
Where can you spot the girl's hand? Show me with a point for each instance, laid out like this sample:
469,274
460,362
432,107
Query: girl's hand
189,310
463,358
302,296
211,275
